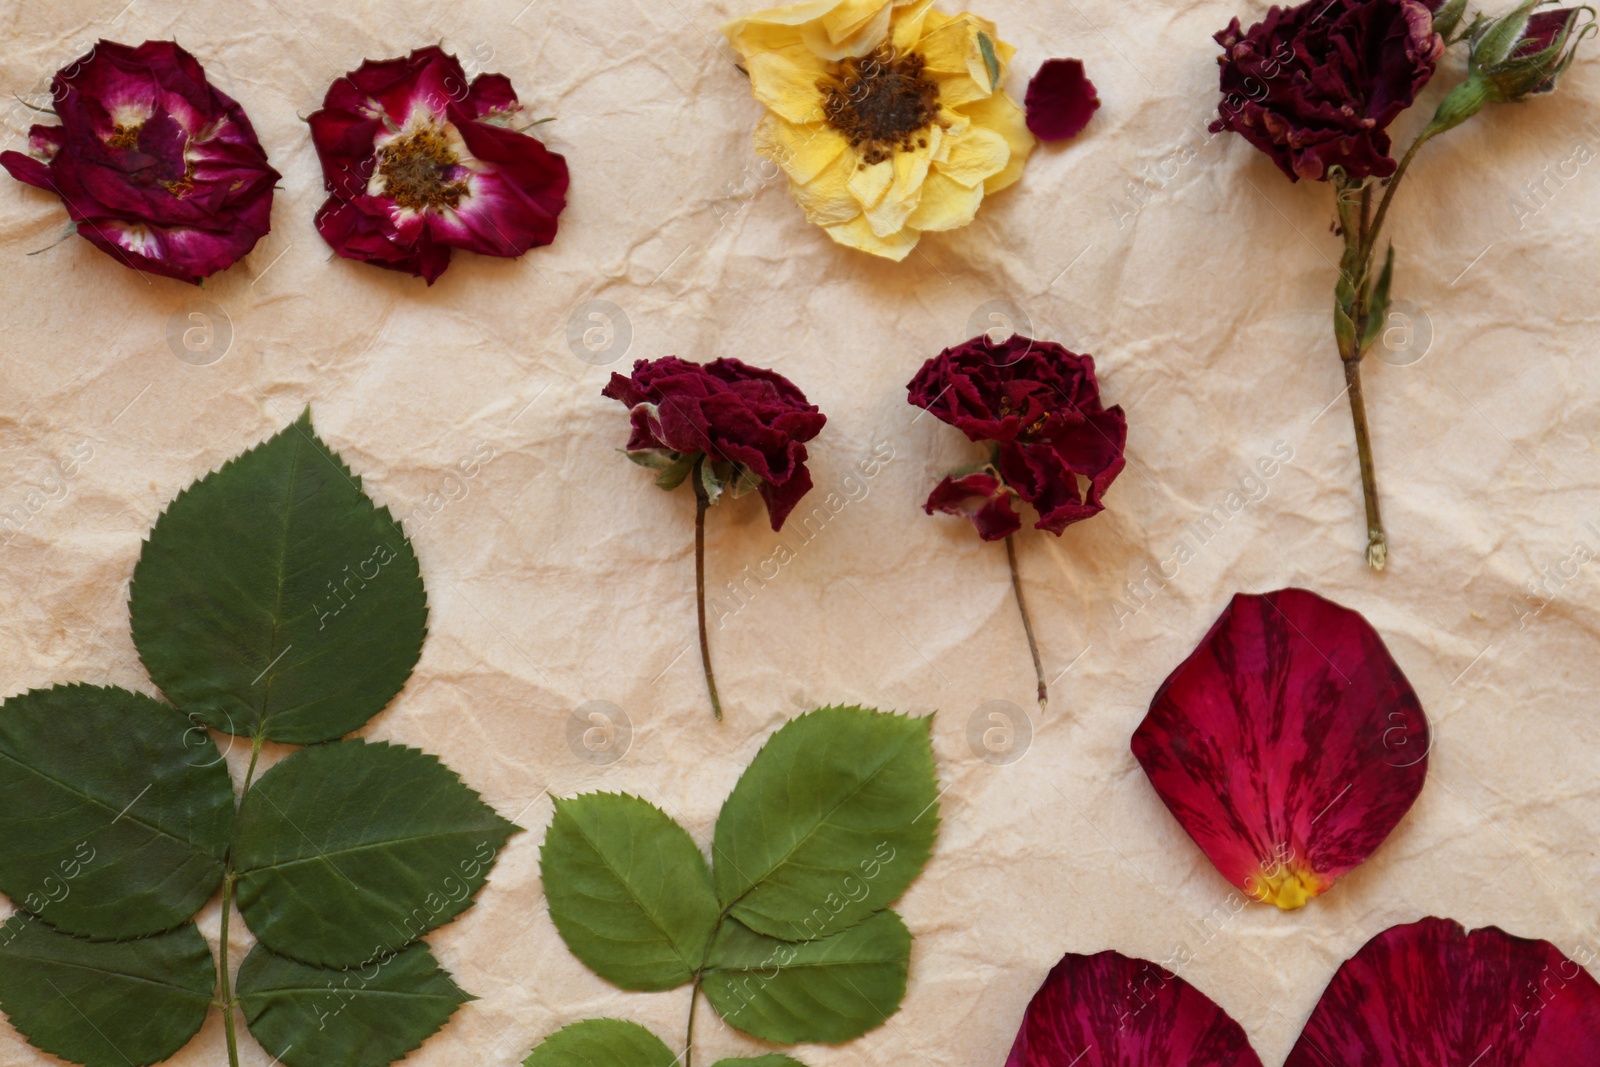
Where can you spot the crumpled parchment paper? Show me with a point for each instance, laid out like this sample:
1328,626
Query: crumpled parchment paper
561,583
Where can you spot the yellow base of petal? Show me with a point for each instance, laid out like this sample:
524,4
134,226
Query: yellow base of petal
1287,886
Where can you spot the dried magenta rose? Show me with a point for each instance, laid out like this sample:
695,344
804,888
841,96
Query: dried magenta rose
749,422
1429,992
1288,744
418,160
1108,1010
156,168
1060,100
1040,405
1317,85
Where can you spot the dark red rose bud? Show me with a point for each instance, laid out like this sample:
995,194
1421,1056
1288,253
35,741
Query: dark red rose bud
1429,992
156,168
980,497
418,160
751,423
1110,1010
1060,100
1316,86
1040,404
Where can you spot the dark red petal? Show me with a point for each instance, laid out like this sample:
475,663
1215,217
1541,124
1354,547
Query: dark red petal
360,229
491,93
26,169
1288,744
1060,100
980,497
1109,1010
1429,993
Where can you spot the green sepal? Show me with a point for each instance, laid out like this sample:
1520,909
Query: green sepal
107,1003
671,477
275,599
990,59
365,1016
115,811
348,852
1448,17
1495,44
628,891
1378,302
829,990
602,1043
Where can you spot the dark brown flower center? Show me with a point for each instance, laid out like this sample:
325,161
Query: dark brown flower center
881,103
416,170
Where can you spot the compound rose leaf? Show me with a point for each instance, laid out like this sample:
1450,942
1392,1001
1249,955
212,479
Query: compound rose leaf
366,1016
831,989
1110,1010
348,852
1288,744
275,599
628,890
115,811
831,822
602,1043
105,1003
1430,992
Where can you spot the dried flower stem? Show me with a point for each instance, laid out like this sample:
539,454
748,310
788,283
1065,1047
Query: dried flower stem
229,878
1027,622
702,502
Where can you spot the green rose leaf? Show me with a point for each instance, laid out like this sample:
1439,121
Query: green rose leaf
775,1059
274,598
628,890
115,811
348,852
830,823
828,990
366,1016
105,1004
602,1043
991,61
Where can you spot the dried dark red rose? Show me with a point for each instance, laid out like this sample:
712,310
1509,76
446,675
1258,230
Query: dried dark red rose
1288,744
155,167
1040,405
1316,86
418,160
1429,992
1109,1010
1060,100
750,424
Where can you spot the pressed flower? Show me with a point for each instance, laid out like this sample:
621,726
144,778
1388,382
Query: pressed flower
1288,744
888,117
156,167
1053,443
1429,992
418,160
1109,1010
724,426
1060,100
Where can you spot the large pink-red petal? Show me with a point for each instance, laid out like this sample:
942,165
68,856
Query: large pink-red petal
1288,744
1430,993
1109,1010
1060,100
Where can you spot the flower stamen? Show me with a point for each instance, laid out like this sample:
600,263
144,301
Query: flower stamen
881,102
416,170
125,137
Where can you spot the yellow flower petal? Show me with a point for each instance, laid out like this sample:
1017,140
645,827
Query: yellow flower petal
870,183
787,87
1002,114
950,44
858,234
945,204
905,191
802,151
826,198
908,25
958,90
976,156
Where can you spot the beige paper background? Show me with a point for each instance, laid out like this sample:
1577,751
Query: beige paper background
558,576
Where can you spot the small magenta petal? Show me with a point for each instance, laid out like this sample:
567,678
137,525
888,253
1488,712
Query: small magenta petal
1060,100
491,94
1430,993
26,169
979,497
1288,744
1109,1010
